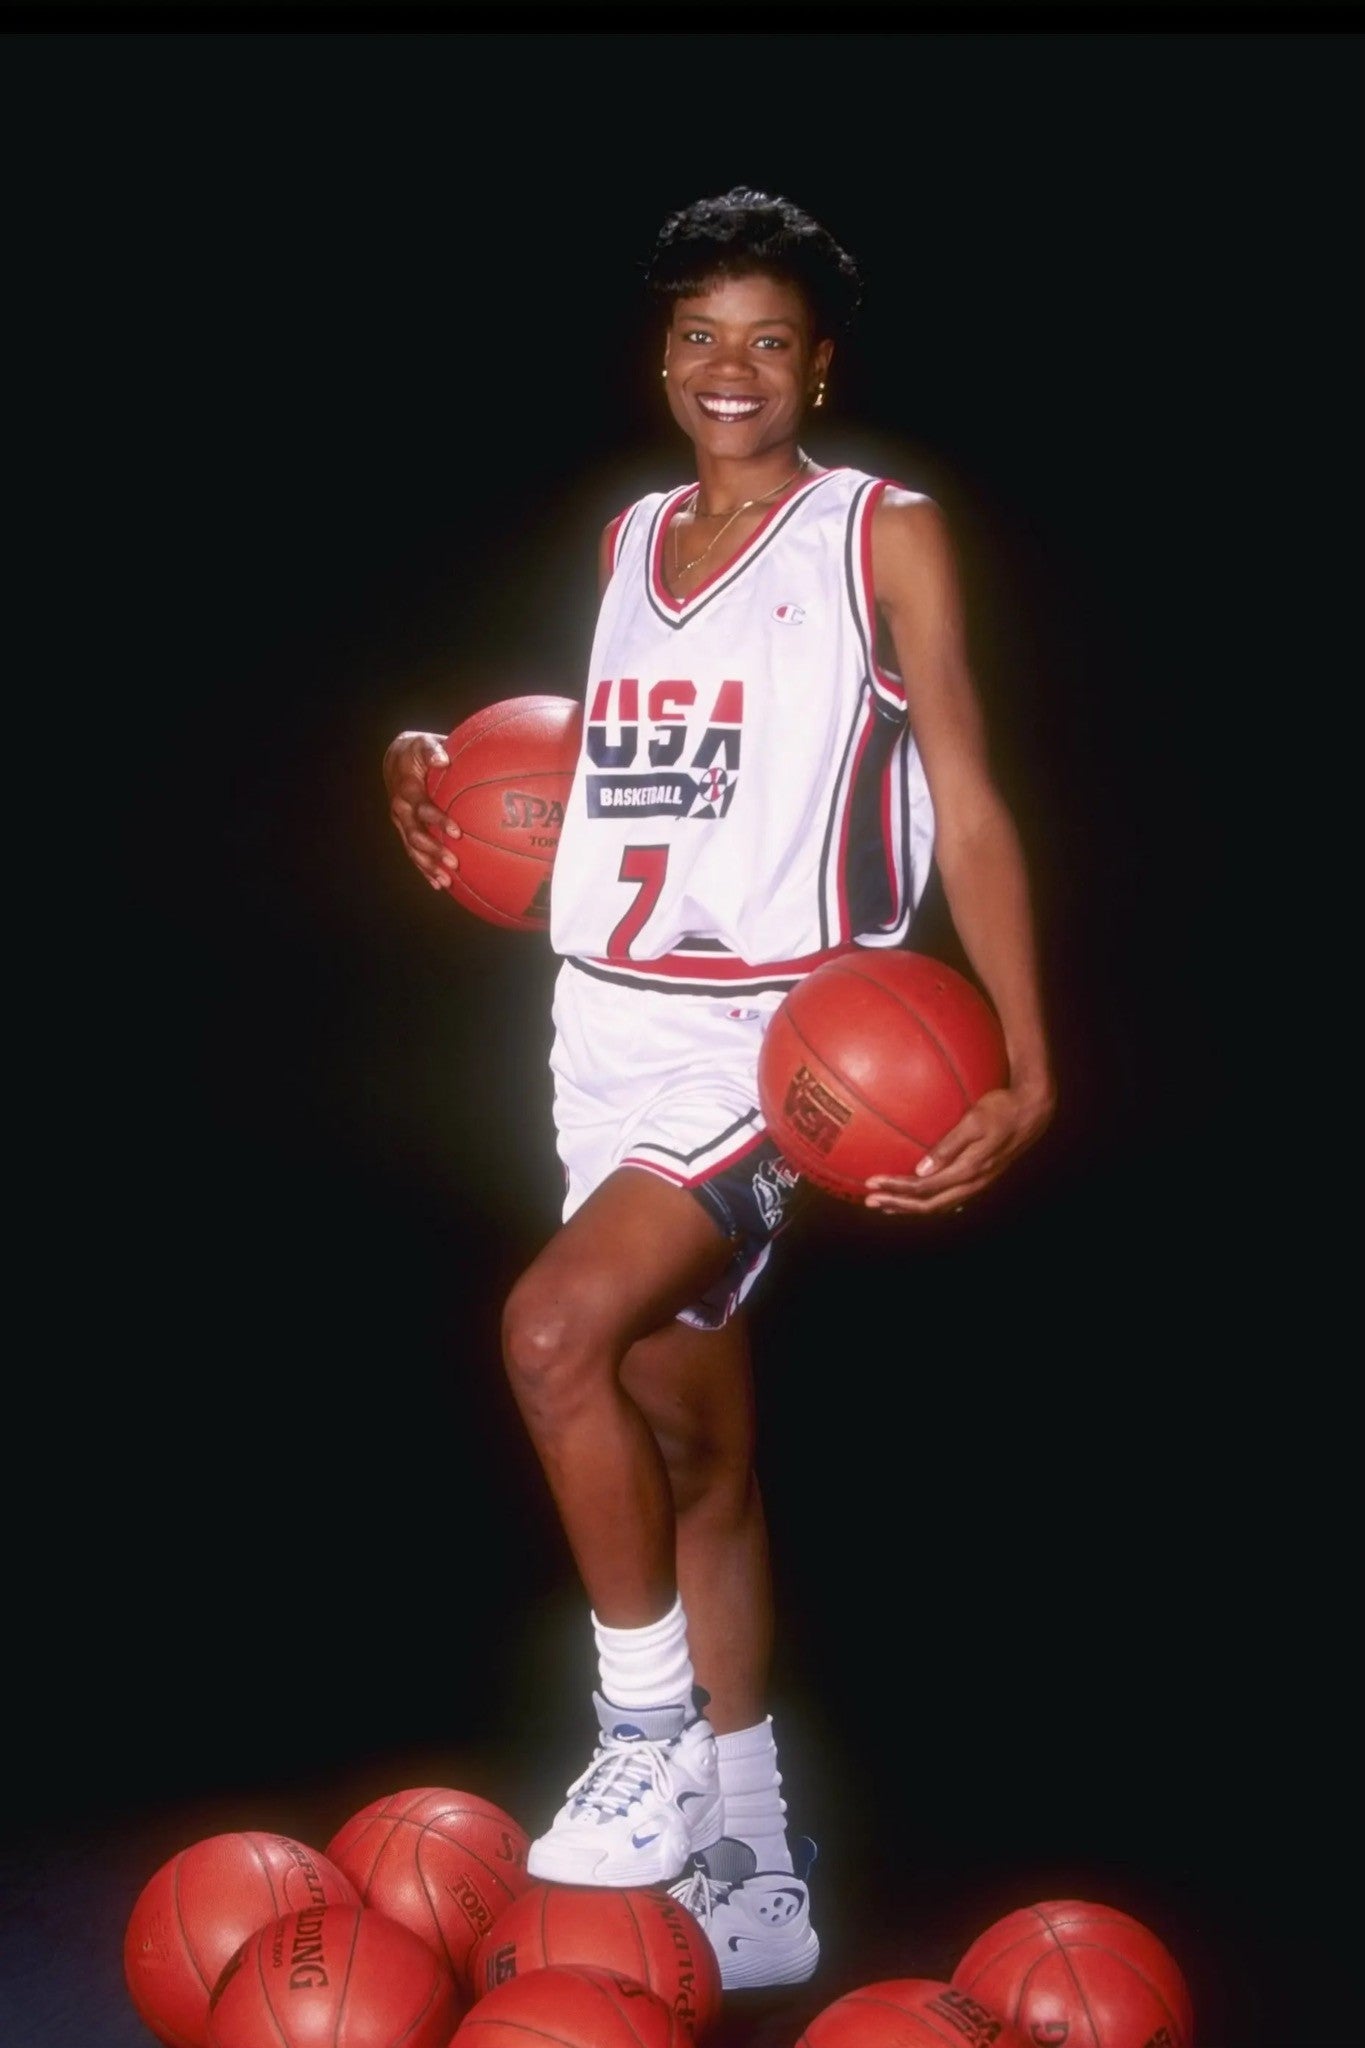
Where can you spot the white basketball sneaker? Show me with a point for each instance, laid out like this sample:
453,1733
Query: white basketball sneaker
648,1801
758,1921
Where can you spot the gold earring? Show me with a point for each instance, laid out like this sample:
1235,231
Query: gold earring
664,373
819,398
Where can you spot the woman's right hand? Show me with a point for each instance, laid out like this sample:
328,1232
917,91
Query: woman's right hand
425,830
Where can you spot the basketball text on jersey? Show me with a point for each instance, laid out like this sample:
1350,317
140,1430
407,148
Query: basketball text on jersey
702,787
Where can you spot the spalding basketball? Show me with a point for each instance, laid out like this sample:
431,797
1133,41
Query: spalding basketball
200,1906
445,1863
571,2005
511,769
639,1931
1087,1975
334,1974
869,1060
909,2012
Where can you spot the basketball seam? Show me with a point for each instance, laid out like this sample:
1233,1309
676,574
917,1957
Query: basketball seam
645,1957
468,1853
253,1844
542,1925
1067,1949
184,1930
497,846
339,1847
474,1855
853,1090
258,1946
346,1979
1065,1954
518,775
525,2028
424,1828
828,1177
494,912
533,2030
521,709
615,2010
1020,1941
437,1988
853,967
511,707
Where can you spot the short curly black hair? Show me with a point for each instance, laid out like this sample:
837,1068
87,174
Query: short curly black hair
746,233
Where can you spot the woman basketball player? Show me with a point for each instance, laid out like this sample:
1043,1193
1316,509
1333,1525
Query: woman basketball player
780,731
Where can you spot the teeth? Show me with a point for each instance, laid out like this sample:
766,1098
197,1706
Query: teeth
731,408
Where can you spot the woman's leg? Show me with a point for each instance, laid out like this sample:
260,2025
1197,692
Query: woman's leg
635,1252
694,1389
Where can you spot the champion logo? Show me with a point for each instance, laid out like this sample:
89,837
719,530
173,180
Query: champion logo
789,614
738,1016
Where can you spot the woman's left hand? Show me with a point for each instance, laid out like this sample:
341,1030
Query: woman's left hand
964,1162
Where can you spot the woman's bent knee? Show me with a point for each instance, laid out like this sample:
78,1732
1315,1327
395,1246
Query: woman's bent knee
553,1344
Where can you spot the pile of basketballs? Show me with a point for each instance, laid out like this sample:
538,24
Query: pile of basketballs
418,1926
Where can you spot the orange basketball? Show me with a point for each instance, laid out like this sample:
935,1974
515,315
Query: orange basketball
637,1931
445,1863
869,1060
199,1906
334,1977
571,2005
1084,1974
511,768
909,2012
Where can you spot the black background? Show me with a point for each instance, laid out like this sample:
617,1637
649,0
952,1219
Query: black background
332,362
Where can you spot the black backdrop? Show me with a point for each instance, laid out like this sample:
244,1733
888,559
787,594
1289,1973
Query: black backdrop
337,363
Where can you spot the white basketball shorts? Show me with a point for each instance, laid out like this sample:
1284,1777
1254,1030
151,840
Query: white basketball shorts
667,1082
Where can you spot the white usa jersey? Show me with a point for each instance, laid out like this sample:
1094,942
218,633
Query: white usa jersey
748,798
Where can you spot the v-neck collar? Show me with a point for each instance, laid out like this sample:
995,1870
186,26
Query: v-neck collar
677,608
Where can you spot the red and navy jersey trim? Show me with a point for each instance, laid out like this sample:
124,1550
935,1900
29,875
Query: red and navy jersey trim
616,534
862,883
717,1155
675,611
709,971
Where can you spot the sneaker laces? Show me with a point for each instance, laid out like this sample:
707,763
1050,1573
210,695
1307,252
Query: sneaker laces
622,1771
700,1893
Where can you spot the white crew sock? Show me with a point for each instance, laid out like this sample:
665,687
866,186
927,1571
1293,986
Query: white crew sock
750,1782
649,1666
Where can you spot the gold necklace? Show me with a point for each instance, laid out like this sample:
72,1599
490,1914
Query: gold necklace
682,568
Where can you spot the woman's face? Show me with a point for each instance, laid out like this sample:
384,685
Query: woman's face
742,365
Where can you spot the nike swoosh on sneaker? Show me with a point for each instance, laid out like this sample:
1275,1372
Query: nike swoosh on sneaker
643,1841
683,1797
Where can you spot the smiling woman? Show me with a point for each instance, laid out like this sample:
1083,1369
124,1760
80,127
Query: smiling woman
780,734
750,338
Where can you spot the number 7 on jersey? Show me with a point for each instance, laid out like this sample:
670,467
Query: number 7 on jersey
646,866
